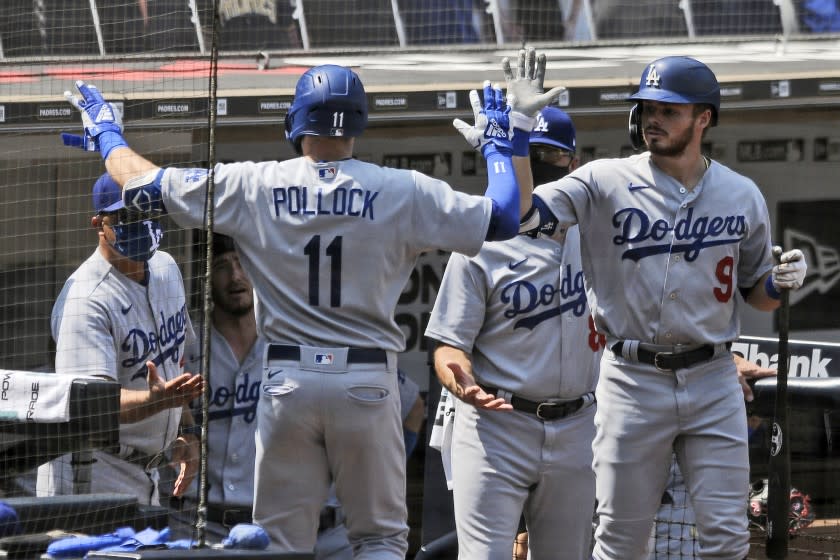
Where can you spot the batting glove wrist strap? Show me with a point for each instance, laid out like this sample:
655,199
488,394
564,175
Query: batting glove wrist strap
771,289
522,122
108,140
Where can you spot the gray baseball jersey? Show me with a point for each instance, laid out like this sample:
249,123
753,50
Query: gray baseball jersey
329,246
519,308
662,264
677,255
521,297
108,325
234,390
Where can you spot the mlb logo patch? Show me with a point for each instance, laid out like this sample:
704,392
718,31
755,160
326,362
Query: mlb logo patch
326,173
324,359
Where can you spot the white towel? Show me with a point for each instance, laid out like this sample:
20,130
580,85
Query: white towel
441,436
34,397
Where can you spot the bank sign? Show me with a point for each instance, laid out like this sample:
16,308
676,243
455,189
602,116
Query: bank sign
807,358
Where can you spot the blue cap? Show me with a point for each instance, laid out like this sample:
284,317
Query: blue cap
554,128
107,195
9,524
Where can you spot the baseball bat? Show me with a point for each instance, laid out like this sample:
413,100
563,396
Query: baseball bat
778,497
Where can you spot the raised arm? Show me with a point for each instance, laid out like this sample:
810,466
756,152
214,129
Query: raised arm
491,136
526,97
103,132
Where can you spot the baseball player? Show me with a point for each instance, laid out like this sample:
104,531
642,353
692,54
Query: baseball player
518,349
122,315
328,243
668,237
236,362
234,384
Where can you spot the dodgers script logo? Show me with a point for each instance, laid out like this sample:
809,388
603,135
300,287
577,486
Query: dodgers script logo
541,303
163,343
690,235
244,395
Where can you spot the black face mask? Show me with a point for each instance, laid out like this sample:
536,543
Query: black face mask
546,172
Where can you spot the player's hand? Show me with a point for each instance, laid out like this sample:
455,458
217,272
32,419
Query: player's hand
525,88
790,272
492,121
98,117
173,393
748,373
185,454
469,391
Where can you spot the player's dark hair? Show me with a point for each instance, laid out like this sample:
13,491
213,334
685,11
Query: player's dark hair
222,244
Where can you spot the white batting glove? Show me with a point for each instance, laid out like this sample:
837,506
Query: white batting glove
525,88
492,120
789,274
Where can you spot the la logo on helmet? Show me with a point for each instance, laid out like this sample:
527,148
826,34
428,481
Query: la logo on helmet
652,77
542,124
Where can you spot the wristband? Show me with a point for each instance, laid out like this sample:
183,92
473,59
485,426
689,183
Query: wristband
521,142
195,430
109,140
771,289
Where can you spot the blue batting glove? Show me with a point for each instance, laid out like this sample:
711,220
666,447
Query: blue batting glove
492,122
102,122
497,132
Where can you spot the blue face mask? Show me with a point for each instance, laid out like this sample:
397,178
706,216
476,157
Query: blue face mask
139,240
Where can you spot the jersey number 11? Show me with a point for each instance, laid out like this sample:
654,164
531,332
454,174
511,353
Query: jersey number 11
333,251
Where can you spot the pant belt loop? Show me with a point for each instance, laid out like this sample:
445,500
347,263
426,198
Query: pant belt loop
633,349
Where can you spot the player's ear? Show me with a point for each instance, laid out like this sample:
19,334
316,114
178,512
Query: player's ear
96,222
706,117
574,164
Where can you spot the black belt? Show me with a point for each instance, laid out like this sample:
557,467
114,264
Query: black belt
331,517
354,355
548,410
670,361
228,516
144,460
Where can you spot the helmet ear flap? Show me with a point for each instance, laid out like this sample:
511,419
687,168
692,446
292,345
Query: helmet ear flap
634,126
288,124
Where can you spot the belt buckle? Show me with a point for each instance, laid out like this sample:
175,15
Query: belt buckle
549,406
155,460
663,356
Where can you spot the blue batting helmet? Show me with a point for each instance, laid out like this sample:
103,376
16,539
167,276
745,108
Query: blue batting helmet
674,79
329,100
679,79
554,128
